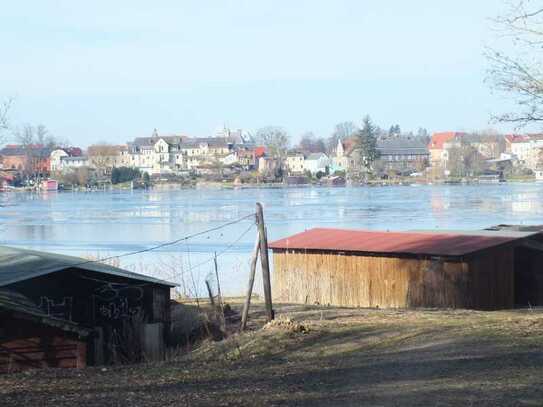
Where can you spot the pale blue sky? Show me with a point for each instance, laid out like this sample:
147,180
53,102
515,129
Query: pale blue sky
114,70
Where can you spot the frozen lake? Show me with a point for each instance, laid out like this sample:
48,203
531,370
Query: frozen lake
100,224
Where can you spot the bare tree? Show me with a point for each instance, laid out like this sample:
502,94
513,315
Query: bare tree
25,137
275,139
37,143
342,131
520,73
465,161
311,144
44,137
103,156
5,107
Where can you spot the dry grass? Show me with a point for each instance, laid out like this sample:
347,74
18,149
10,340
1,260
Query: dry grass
325,356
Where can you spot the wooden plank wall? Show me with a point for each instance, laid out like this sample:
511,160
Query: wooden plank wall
388,282
492,280
39,352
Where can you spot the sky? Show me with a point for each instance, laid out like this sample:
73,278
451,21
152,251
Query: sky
114,70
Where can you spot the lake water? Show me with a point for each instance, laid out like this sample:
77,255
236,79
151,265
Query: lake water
99,224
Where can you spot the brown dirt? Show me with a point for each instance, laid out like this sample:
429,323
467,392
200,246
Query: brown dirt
324,356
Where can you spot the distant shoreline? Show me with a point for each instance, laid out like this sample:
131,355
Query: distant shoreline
279,185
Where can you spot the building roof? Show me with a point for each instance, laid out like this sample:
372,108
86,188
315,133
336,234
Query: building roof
510,233
516,138
315,156
402,146
23,264
260,151
75,159
37,150
295,153
438,139
517,228
390,243
151,141
221,142
523,138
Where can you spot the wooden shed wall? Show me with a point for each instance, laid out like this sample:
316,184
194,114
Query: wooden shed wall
391,282
30,346
528,277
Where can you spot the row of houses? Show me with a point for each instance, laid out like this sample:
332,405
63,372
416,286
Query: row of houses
404,155
399,154
154,155
524,151
177,154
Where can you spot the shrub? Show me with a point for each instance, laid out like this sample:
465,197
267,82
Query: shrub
124,174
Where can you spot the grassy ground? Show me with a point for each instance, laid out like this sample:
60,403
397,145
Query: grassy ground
328,356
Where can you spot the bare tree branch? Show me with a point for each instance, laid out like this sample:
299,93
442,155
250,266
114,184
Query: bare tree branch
520,75
5,107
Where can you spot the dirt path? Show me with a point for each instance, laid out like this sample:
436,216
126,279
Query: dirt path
347,357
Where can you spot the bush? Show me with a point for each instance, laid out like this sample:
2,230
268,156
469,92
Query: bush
124,174
146,179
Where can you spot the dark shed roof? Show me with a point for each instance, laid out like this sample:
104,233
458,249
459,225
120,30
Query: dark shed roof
390,243
23,264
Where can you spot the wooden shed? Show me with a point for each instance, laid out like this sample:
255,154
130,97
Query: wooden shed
29,338
126,315
357,268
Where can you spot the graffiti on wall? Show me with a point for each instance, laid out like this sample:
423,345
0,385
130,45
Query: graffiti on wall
113,301
58,308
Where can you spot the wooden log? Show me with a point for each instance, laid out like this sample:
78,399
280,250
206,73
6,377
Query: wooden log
210,293
247,304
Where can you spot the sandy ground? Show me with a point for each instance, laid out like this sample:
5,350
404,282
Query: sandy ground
326,357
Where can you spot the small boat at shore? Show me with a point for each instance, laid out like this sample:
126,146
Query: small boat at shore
49,185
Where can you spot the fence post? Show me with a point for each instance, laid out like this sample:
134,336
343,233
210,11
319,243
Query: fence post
247,304
264,261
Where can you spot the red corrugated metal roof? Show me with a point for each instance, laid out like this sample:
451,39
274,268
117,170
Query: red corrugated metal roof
429,244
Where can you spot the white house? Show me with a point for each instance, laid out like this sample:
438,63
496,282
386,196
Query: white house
55,163
67,163
317,162
526,148
295,163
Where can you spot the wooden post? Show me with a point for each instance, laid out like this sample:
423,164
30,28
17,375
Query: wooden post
264,260
210,293
254,259
217,277
219,295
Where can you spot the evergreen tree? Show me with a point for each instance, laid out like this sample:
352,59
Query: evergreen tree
366,139
394,130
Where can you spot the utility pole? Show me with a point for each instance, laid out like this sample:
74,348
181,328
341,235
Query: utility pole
264,261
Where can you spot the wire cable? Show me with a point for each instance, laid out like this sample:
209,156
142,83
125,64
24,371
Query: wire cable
217,255
161,245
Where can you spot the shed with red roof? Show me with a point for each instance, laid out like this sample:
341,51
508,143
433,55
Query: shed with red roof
358,268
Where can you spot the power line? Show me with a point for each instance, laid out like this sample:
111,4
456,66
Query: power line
227,248
166,244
